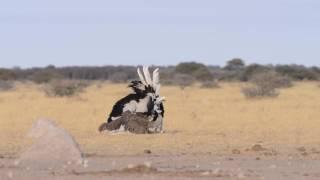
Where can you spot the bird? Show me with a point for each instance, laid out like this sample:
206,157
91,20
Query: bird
145,99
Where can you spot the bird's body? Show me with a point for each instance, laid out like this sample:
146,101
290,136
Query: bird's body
139,103
145,100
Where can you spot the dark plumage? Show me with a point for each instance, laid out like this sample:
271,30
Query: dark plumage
140,88
118,107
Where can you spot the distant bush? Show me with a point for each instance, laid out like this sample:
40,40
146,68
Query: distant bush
6,74
230,76
119,77
235,64
182,80
234,70
210,84
197,70
298,72
44,76
282,81
252,70
266,84
203,75
166,78
189,67
6,85
258,92
64,88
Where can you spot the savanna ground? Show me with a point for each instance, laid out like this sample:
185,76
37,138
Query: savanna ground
209,133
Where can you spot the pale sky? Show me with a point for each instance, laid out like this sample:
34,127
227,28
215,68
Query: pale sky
162,32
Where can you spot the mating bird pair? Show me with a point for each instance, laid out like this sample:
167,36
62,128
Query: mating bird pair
145,99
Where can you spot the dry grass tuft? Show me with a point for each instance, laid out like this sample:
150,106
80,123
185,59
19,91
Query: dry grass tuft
266,84
210,84
6,85
61,88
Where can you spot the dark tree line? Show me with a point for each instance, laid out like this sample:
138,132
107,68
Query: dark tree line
234,70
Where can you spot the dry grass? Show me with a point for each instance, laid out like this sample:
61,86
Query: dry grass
196,120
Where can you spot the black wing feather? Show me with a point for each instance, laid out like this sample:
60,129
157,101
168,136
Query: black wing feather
117,109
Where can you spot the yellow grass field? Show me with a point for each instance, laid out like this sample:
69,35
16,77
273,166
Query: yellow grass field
196,120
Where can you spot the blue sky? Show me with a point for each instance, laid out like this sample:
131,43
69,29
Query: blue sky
162,32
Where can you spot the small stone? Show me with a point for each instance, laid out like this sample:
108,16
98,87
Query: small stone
148,164
147,151
85,163
273,166
257,147
258,158
205,173
301,149
241,175
113,164
80,161
10,175
236,151
217,171
16,162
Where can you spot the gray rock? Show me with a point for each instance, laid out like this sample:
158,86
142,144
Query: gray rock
53,147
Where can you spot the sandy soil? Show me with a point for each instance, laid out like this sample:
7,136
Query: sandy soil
149,166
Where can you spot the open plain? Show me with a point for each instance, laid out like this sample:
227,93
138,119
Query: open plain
209,133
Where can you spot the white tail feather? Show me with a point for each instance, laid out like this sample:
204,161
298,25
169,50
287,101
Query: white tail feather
157,89
141,77
155,78
147,75
153,81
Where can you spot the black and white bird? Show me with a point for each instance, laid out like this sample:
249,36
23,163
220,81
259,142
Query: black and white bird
145,99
